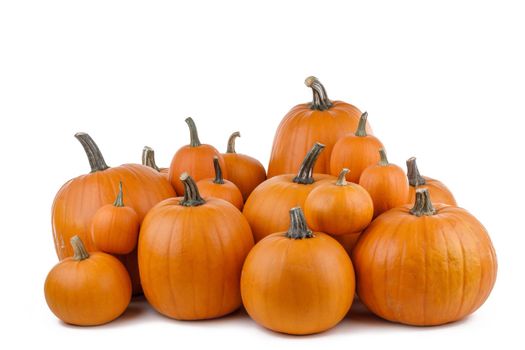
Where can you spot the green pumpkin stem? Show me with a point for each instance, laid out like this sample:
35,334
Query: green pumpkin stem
423,204
231,142
361,127
305,175
383,159
320,102
192,197
96,160
79,250
414,177
119,201
148,158
341,179
218,171
194,135
298,227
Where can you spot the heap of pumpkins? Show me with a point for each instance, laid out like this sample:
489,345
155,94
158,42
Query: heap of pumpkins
214,231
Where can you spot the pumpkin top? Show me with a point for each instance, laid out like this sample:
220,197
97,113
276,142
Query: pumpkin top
341,179
423,204
194,135
231,142
148,158
79,250
218,171
119,201
298,227
305,175
192,197
384,160
361,127
96,160
414,177
320,102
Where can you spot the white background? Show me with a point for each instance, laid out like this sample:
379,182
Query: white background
442,81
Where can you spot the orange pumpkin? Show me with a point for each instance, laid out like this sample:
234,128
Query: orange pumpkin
438,191
386,183
321,121
339,207
425,265
220,188
115,227
244,171
79,199
148,159
87,289
267,207
195,158
191,252
297,282
348,241
355,151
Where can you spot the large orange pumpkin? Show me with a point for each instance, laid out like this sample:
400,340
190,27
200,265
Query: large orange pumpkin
298,281
191,252
322,120
425,265
148,159
438,191
267,207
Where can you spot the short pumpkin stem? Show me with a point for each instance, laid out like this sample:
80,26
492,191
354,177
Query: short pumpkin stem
96,160
79,250
341,179
361,127
298,227
231,142
218,171
194,135
192,197
148,158
384,160
320,102
423,204
414,178
119,201
305,175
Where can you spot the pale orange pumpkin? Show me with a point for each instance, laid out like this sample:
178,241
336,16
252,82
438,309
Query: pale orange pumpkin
438,191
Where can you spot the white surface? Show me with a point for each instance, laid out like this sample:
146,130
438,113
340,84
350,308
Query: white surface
444,82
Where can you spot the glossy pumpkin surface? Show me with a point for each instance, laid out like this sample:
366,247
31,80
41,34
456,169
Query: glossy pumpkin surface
218,187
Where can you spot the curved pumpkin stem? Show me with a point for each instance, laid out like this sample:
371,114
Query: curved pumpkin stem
384,160
305,175
148,158
194,135
79,250
119,201
298,227
341,179
192,197
218,171
423,204
414,178
231,142
96,160
320,102
361,127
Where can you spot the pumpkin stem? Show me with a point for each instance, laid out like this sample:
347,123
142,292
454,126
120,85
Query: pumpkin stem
194,136
231,142
305,175
298,227
320,102
192,197
218,171
96,160
361,127
119,201
384,160
423,204
148,158
79,250
414,178
341,179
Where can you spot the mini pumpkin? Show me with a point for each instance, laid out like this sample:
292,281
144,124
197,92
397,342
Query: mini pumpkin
439,192
148,159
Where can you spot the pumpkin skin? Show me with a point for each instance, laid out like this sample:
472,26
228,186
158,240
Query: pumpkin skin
244,171
196,159
88,289
386,183
347,241
220,188
191,252
285,285
339,207
436,264
148,159
79,199
355,151
267,207
322,121
438,191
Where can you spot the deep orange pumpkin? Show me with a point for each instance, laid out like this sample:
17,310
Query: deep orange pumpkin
348,241
438,191
148,159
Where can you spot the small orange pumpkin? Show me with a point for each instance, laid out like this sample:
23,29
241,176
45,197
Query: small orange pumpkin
87,289
348,241
438,191
297,282
355,151
386,183
220,188
148,159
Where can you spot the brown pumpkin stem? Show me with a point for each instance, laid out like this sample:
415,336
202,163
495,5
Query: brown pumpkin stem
192,197
231,142
320,102
194,135
148,158
305,175
423,204
218,171
414,178
361,127
384,160
119,201
96,160
341,179
298,227
79,250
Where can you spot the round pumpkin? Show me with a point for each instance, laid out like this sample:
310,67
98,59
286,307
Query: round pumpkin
298,281
244,171
322,120
148,159
191,252
425,265
87,289
220,188
347,241
438,191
